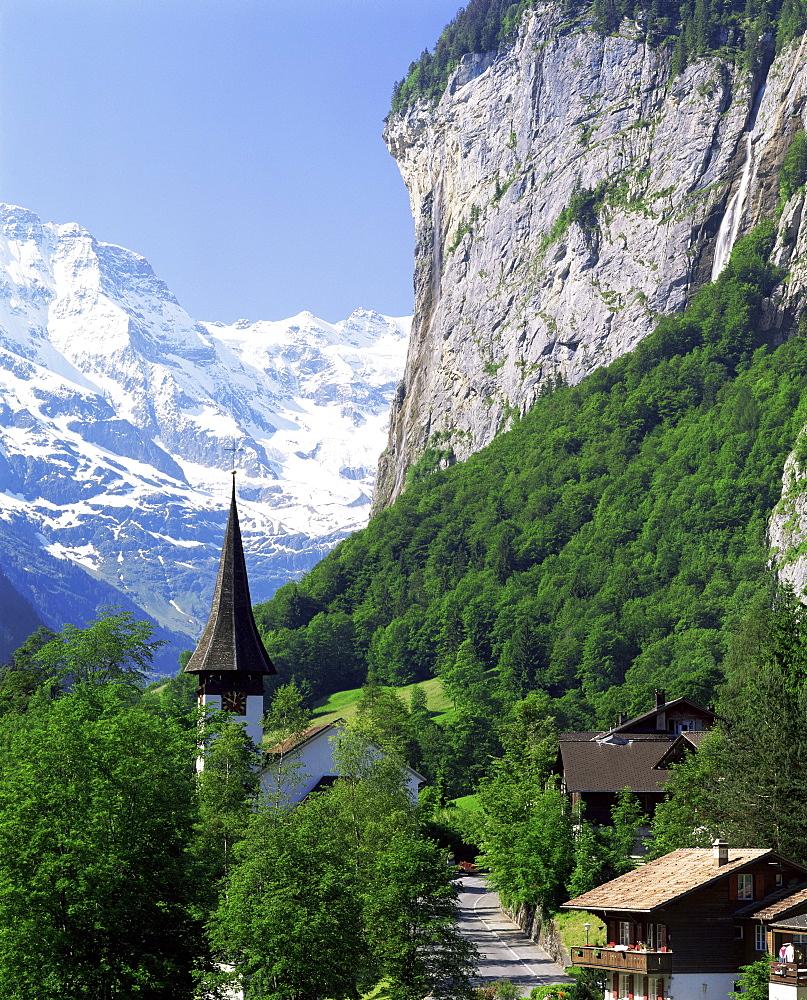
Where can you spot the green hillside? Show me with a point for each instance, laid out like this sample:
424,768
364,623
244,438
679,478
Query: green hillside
609,543
344,704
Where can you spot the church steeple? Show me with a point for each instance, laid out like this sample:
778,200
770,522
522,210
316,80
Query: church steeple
230,660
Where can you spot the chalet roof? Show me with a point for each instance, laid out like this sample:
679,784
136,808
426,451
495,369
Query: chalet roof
777,904
230,641
664,880
797,923
607,767
684,743
665,707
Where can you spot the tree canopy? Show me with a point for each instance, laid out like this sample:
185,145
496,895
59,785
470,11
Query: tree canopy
739,29
608,544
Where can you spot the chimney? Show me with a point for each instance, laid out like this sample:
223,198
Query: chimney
721,853
661,699
623,718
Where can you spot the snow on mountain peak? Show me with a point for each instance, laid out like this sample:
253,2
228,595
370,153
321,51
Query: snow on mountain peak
117,412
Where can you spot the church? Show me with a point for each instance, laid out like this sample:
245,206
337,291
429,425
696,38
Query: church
230,664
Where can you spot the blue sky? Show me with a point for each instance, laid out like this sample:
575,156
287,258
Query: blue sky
234,143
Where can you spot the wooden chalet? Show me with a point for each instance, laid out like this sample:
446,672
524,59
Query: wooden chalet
680,927
595,767
784,919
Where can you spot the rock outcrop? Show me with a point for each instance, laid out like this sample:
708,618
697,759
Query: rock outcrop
565,193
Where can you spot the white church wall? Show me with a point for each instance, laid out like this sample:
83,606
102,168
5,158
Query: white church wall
252,720
310,763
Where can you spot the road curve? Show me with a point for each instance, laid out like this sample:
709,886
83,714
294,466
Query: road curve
507,953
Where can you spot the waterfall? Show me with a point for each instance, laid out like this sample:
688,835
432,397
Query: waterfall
730,223
734,211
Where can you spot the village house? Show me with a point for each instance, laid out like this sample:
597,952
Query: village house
681,927
595,767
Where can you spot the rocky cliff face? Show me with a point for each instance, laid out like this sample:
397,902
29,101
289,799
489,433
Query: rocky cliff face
566,193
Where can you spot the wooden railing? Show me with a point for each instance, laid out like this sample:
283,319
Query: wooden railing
788,973
622,959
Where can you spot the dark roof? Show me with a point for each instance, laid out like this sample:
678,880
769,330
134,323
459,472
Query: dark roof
664,880
230,641
326,781
602,766
666,707
685,743
798,923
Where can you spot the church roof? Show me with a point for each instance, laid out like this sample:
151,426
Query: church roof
230,641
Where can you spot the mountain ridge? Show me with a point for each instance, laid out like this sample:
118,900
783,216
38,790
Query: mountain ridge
118,414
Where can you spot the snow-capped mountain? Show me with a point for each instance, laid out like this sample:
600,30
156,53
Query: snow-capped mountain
118,416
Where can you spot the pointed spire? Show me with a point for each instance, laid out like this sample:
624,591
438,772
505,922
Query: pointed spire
230,641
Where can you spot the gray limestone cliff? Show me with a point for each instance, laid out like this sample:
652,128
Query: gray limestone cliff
565,193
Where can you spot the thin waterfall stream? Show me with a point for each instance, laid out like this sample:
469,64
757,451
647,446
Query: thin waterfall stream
730,223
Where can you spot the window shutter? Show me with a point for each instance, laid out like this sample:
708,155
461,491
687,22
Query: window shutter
661,931
732,887
616,984
660,988
612,931
630,987
759,886
639,933
645,988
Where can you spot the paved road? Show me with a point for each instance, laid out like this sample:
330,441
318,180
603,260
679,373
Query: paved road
507,953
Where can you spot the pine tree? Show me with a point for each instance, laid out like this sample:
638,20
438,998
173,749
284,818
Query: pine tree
679,56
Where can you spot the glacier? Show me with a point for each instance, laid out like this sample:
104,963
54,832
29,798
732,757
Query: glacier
119,416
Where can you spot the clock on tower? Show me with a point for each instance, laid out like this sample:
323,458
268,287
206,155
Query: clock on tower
235,702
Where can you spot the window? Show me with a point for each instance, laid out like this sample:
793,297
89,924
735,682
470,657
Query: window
656,936
624,932
745,887
760,943
625,986
655,988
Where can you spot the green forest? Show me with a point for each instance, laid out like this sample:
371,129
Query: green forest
745,30
607,545
126,873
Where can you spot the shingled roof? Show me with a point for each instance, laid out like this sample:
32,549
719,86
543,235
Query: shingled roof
685,743
778,905
603,766
664,880
230,641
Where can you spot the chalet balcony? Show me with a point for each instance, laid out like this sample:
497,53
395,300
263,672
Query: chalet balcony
788,974
623,959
